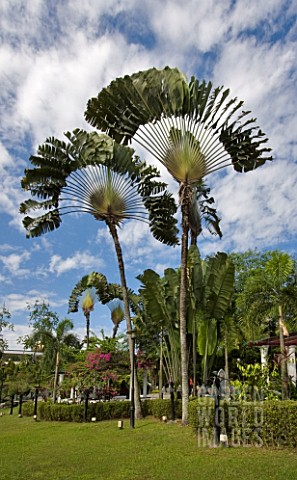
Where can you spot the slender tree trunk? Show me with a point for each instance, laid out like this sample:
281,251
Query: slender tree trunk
11,404
118,249
87,315
283,364
226,357
205,364
20,404
115,330
184,195
161,365
194,335
36,401
56,376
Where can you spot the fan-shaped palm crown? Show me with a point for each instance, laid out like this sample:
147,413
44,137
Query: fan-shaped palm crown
92,174
190,127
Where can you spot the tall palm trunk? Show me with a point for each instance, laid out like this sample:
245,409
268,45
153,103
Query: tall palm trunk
87,315
283,364
114,234
185,193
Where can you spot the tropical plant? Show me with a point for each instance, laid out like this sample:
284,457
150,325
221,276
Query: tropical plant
100,290
117,314
159,319
4,323
263,298
92,174
87,305
51,336
218,288
193,129
105,292
201,212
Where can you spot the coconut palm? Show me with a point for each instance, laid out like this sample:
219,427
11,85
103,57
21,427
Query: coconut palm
92,174
190,127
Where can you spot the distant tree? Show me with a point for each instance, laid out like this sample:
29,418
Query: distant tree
117,314
4,323
51,336
110,294
263,298
87,305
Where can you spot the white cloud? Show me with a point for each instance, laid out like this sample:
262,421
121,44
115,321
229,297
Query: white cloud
79,261
201,24
13,336
257,207
12,263
18,302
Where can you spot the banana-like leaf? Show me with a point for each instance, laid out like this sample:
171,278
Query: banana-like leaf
219,285
207,337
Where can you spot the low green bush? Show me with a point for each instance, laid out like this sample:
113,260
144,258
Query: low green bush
109,410
159,408
75,412
28,409
101,410
268,423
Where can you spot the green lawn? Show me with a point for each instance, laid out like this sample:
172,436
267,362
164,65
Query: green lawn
61,451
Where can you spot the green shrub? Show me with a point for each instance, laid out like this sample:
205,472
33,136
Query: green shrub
109,410
159,408
28,409
269,423
60,412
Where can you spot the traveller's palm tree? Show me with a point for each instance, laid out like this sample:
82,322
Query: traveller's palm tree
98,282
92,174
87,305
117,314
192,128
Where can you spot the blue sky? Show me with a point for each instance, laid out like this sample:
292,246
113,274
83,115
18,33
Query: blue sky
55,55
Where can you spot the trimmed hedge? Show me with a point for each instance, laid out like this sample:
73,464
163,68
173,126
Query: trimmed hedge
159,408
269,423
101,410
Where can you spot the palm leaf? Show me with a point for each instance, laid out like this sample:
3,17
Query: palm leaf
92,174
148,105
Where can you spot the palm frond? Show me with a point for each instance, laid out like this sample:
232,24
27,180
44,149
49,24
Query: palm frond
153,106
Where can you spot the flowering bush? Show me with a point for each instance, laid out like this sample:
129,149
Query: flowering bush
142,360
97,360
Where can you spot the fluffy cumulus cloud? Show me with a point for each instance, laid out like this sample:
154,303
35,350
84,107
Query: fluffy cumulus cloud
54,56
12,263
83,261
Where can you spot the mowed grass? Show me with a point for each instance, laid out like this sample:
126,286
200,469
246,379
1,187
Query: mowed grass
153,450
